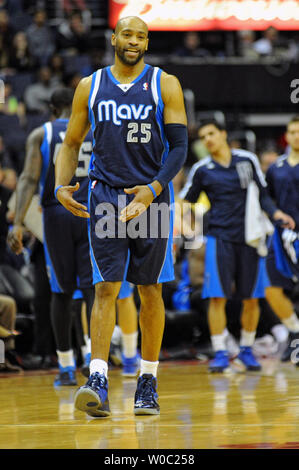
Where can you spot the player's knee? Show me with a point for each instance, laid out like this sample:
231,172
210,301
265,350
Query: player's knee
107,290
217,302
250,303
150,293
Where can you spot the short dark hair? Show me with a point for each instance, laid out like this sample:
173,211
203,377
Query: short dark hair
211,122
293,120
62,98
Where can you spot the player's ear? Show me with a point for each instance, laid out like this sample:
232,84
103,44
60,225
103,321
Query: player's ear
146,46
113,39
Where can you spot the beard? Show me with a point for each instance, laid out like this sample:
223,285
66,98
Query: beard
121,54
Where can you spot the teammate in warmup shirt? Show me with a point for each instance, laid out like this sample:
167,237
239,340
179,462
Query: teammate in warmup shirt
282,260
225,175
137,116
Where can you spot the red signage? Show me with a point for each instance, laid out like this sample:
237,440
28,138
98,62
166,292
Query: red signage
196,15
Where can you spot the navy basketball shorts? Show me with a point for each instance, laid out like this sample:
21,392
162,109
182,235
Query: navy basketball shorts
66,249
139,250
233,269
275,278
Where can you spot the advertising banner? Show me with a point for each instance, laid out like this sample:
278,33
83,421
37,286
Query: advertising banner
203,15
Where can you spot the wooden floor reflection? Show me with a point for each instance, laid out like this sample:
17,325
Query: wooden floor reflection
198,411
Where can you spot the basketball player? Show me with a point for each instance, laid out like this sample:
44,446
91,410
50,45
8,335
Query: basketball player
224,175
138,121
65,237
283,182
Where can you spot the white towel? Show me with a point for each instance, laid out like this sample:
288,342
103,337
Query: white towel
257,224
288,237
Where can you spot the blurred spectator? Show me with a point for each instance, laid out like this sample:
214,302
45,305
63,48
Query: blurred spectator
6,36
19,56
246,42
264,46
5,158
37,96
9,175
40,38
191,46
11,105
267,158
8,311
72,35
11,6
235,144
4,198
73,80
57,68
69,6
271,44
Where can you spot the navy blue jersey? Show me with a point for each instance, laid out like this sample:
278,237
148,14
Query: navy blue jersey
54,135
226,188
127,123
283,183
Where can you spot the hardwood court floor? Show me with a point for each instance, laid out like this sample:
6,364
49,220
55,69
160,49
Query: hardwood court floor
198,411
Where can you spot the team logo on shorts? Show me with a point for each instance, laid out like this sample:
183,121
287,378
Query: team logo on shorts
145,86
93,184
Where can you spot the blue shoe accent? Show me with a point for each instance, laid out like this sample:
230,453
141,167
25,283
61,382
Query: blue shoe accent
220,362
247,358
146,397
85,367
130,365
66,376
93,396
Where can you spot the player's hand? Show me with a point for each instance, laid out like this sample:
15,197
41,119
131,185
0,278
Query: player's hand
65,197
15,239
287,220
143,198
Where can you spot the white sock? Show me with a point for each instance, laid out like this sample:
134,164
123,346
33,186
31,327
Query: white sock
129,344
280,332
116,335
218,342
88,345
225,333
66,358
83,351
97,365
247,338
147,367
86,338
292,323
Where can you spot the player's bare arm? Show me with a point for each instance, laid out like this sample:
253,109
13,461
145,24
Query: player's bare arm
174,113
26,187
67,158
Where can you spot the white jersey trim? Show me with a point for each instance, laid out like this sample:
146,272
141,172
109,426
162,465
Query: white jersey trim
154,86
96,87
192,172
49,129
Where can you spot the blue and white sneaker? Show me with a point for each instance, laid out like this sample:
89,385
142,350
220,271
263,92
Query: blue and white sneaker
246,359
93,396
220,363
85,367
146,397
66,376
130,365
